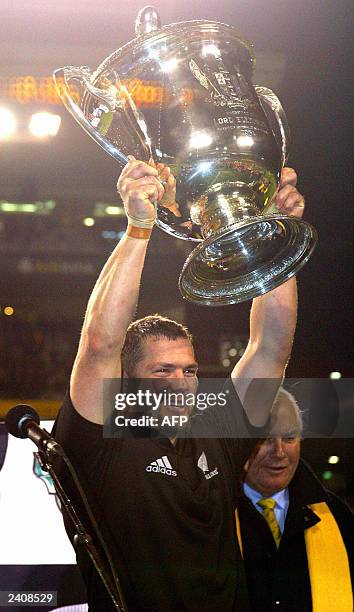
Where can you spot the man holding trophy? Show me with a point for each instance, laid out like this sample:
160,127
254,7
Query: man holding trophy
213,151
171,537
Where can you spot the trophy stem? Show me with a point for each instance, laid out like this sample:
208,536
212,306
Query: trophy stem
224,206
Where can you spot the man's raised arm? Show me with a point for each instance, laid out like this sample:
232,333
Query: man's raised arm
272,328
114,298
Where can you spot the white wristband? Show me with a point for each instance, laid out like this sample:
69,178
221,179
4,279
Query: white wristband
146,223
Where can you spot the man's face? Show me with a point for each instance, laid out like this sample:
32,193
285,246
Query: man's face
275,460
172,365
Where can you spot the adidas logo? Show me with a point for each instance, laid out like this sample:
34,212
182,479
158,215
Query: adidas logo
162,466
203,465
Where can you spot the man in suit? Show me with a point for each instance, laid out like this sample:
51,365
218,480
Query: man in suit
297,538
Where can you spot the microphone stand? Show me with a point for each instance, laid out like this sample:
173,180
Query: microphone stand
82,537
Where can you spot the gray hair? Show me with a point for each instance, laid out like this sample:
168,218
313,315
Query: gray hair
284,394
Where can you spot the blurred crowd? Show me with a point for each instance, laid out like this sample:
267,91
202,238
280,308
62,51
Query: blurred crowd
35,359
21,234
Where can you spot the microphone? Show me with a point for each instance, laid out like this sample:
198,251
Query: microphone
22,421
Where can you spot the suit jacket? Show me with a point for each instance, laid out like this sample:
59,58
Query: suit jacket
278,579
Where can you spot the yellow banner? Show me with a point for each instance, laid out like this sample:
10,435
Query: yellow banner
47,409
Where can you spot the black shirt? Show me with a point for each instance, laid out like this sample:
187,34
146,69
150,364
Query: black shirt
166,512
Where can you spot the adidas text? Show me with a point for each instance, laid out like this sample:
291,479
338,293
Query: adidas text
162,470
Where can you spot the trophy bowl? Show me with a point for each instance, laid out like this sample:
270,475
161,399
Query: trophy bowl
182,96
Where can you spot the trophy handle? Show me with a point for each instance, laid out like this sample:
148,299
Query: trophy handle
72,83
275,114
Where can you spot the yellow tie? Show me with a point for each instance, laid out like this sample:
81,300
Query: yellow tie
267,504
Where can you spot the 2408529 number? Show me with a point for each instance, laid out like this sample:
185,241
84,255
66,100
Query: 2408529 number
28,598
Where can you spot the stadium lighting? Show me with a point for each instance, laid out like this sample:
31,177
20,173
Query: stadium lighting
44,124
89,221
113,210
327,475
333,459
9,311
8,123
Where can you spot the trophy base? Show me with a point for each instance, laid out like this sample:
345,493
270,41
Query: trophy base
246,259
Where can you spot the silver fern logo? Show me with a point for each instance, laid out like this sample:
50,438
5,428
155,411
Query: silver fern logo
203,465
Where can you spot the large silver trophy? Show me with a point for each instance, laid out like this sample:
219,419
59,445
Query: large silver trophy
181,95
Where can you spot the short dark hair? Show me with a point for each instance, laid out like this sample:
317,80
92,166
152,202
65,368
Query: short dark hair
152,326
